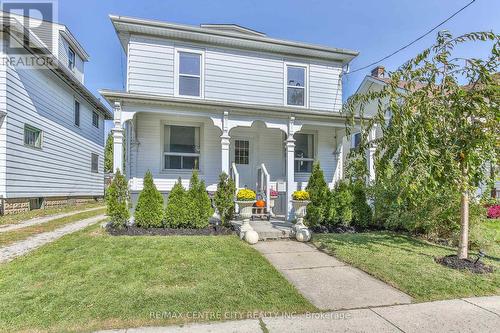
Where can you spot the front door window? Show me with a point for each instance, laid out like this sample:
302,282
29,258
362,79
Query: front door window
241,151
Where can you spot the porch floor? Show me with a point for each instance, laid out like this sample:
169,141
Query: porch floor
276,228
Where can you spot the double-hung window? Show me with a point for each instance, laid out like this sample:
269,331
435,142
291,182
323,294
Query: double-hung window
181,148
296,85
77,113
71,58
94,163
95,119
355,141
304,152
189,72
32,136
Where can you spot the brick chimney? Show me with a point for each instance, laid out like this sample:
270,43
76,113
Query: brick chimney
378,71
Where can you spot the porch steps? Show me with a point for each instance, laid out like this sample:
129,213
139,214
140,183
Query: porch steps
268,230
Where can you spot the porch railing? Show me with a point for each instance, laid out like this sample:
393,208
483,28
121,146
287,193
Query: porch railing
235,176
264,186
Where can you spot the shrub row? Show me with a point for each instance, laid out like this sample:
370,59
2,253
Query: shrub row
345,205
190,208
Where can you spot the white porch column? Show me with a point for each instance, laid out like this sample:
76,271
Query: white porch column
370,156
224,141
117,138
338,157
290,168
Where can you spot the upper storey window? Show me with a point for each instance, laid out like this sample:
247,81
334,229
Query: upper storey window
189,73
71,58
296,85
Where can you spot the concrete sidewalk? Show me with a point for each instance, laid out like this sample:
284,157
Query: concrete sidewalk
326,282
43,219
480,314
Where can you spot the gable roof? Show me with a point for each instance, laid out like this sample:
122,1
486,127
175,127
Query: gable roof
231,38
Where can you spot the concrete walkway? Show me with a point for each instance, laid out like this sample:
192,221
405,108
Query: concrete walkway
12,251
480,314
326,282
43,219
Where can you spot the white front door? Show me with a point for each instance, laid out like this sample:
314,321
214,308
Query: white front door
242,155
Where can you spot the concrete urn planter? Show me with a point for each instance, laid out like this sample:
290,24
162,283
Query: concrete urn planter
302,234
246,213
251,236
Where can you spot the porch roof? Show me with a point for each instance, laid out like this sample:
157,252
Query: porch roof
210,105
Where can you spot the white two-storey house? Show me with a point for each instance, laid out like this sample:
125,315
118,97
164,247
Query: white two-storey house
51,125
223,98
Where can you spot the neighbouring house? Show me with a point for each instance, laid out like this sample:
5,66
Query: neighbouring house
224,98
375,82
51,125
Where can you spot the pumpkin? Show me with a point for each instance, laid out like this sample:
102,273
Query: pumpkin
260,204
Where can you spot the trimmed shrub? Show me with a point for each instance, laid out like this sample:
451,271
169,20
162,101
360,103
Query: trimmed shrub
224,198
149,209
179,205
317,210
117,199
361,210
341,201
202,206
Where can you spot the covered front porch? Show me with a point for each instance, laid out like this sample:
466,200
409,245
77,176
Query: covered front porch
263,151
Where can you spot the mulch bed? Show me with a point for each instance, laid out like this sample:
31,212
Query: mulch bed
136,231
452,261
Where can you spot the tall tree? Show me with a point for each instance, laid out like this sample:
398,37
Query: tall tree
445,123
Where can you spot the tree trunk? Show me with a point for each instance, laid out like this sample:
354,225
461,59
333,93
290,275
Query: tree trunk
463,245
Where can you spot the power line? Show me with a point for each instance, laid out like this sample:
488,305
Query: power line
414,41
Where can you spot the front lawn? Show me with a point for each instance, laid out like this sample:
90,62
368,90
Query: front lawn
90,280
408,264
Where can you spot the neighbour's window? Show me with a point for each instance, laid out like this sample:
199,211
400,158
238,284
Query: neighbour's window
304,152
241,151
95,119
32,136
77,113
295,85
355,141
189,74
71,58
181,147
94,163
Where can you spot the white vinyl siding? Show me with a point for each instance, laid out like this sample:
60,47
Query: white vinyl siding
230,75
62,167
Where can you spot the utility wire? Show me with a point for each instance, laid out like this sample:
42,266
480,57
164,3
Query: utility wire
414,41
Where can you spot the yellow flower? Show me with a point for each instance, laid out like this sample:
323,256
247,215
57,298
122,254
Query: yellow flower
245,195
300,195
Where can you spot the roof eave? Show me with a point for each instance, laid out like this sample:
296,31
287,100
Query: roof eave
130,25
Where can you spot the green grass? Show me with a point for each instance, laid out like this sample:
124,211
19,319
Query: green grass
18,218
90,280
408,264
10,237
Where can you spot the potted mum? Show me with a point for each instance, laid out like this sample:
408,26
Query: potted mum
300,200
273,196
245,198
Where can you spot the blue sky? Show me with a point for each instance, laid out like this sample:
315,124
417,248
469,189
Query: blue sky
374,28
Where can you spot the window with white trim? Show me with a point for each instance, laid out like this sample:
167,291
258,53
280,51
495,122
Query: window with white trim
304,152
95,119
296,78
181,147
355,141
241,151
94,163
189,72
71,58
77,113
32,136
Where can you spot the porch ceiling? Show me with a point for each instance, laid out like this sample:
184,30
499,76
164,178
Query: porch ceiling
203,105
